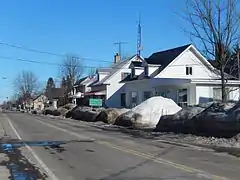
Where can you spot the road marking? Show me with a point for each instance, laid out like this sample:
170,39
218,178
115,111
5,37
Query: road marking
82,137
44,166
144,155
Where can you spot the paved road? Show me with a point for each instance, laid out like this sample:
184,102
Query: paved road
113,155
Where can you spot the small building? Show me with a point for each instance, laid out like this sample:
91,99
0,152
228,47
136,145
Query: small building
56,97
181,74
39,102
81,90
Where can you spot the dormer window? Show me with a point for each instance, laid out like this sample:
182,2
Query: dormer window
188,70
133,72
124,75
146,70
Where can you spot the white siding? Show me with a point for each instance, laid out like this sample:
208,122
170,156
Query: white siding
177,69
203,94
151,69
102,75
138,71
139,87
114,89
234,94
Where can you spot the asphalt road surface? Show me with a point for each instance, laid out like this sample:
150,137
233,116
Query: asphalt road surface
94,154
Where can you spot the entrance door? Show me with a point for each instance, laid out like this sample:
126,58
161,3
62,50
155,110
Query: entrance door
182,97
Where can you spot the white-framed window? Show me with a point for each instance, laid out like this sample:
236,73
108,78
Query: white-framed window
134,97
188,70
182,97
147,95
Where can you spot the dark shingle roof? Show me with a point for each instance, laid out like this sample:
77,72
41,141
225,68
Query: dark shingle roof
136,77
164,58
55,93
80,80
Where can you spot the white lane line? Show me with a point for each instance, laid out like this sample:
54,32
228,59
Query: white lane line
44,166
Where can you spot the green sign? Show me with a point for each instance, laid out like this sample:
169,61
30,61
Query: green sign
95,102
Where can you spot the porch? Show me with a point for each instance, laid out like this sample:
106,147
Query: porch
184,92
179,90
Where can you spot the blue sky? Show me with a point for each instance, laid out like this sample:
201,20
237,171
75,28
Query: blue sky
84,27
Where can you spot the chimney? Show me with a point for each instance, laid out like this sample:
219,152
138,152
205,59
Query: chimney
117,58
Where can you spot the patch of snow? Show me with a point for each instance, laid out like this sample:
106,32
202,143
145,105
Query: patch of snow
153,108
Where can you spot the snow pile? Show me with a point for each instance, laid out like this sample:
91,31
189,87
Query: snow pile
153,108
148,113
109,115
180,122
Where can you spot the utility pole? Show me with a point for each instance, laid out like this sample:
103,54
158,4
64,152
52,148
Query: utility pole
238,69
120,43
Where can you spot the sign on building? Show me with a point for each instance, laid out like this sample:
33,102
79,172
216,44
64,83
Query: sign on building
95,102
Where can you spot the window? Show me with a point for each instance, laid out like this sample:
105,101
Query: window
134,99
217,94
147,95
182,97
133,72
123,99
146,70
124,75
188,70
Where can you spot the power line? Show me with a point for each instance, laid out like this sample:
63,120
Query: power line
83,66
46,52
49,63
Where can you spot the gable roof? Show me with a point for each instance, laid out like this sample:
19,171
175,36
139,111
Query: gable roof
227,70
39,95
164,58
55,93
78,82
114,68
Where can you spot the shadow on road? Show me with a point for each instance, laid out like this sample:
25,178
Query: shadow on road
131,168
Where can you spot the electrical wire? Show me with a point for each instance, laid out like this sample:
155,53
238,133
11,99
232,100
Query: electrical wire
46,52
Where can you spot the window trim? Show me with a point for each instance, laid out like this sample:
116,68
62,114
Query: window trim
189,70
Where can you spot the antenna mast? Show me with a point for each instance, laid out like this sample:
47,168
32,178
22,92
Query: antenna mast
139,39
120,47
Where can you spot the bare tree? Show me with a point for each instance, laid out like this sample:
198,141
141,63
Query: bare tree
215,24
71,69
27,85
50,85
91,72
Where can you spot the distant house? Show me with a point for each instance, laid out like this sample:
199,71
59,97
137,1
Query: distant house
81,89
39,102
181,74
56,97
107,85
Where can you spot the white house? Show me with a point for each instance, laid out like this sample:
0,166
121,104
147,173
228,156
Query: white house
81,90
181,74
108,86
39,101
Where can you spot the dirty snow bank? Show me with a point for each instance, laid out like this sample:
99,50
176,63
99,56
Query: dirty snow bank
109,115
148,113
218,120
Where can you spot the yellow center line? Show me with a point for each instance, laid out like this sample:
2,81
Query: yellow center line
163,161
143,155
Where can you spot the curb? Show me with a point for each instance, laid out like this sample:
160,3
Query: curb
2,130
